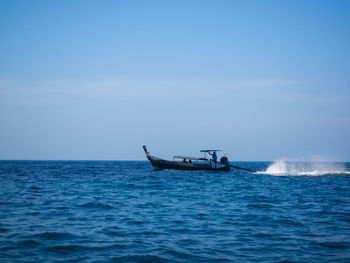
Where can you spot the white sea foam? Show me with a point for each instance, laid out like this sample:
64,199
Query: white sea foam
282,168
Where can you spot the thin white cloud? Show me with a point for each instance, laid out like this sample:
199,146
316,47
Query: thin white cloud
266,83
131,88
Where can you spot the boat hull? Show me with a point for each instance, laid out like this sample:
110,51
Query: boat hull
161,164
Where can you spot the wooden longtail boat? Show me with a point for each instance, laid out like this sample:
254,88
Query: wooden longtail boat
188,163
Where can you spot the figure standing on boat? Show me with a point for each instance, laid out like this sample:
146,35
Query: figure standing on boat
214,157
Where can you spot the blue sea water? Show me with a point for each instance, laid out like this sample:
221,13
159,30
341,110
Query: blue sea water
96,211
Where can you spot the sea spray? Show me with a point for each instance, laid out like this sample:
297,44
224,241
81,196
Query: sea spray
278,167
283,168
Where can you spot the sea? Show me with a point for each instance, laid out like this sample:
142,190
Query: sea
124,211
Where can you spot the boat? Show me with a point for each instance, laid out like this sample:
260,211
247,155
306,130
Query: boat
180,162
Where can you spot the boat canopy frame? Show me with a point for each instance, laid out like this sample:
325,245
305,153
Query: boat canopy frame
208,151
190,158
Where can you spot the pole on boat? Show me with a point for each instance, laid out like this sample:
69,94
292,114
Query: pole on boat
240,168
224,161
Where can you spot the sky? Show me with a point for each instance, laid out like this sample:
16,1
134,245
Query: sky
96,80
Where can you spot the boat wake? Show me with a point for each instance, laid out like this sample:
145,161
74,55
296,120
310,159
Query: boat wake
282,168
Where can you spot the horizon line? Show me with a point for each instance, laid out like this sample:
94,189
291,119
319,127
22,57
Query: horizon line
121,160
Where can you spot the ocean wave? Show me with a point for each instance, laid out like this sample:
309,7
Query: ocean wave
73,248
67,249
139,258
96,205
53,236
28,243
3,229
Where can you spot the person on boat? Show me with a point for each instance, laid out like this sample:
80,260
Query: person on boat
214,157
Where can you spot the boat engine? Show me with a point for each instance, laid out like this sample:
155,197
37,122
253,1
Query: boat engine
224,160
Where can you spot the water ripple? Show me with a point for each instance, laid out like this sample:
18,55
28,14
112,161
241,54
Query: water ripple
125,212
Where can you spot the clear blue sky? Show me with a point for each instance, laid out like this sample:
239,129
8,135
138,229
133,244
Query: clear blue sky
90,80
